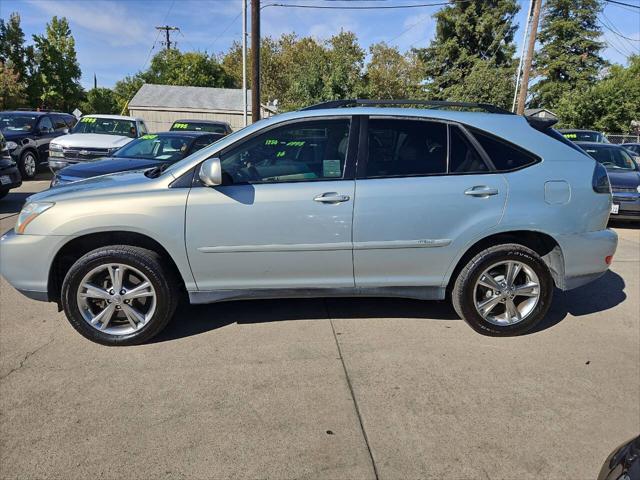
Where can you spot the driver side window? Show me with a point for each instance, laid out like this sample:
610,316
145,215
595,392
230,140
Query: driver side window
299,152
45,125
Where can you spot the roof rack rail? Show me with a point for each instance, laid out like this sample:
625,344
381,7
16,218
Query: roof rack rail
27,109
362,102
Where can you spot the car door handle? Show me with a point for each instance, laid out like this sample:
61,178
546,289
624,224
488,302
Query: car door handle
481,191
332,197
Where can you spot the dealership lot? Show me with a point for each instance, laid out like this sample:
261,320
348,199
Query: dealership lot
336,388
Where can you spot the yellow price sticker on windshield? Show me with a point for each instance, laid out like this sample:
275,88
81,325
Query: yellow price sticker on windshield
88,120
149,137
181,125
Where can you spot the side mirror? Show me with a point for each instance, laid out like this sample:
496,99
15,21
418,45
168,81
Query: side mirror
211,172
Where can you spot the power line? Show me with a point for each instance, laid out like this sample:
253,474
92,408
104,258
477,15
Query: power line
223,31
610,27
616,2
364,7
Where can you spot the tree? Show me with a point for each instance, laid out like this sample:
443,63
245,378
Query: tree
197,69
344,78
473,42
125,89
59,72
100,100
608,105
11,88
12,48
390,74
569,57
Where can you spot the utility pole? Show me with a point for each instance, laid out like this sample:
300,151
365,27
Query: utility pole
524,45
524,85
255,59
244,62
167,29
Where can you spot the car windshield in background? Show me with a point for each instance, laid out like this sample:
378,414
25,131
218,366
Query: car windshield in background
17,122
585,137
169,148
612,158
199,127
106,126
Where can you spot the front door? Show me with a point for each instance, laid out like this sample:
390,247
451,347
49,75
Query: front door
419,202
283,217
46,133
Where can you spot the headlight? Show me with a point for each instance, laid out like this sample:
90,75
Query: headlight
55,151
12,145
29,213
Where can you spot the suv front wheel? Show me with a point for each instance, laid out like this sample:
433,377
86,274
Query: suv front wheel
504,290
119,295
28,165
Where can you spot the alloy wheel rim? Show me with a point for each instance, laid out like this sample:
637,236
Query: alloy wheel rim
30,165
506,293
116,299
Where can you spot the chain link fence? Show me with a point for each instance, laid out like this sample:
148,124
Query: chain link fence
621,138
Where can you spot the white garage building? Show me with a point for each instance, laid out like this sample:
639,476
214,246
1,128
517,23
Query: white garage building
161,105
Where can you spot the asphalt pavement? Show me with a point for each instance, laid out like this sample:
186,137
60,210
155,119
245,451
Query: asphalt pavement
335,388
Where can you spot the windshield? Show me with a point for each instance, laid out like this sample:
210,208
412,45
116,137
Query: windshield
585,136
156,147
199,127
106,126
17,122
612,158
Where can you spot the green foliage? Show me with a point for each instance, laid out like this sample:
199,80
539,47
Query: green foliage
345,57
392,75
59,72
608,105
12,49
569,57
100,100
125,89
11,88
473,44
172,67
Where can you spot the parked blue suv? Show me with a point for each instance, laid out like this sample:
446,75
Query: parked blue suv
488,208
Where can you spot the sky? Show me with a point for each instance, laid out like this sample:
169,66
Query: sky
115,38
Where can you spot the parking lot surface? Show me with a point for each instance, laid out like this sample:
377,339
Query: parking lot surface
335,388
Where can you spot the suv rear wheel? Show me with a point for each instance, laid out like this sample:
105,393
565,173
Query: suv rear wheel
119,295
504,290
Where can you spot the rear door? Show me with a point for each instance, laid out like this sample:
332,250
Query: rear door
283,217
423,191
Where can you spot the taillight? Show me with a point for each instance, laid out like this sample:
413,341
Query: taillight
600,180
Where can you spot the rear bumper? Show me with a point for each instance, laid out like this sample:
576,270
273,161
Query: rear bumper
629,206
585,256
25,261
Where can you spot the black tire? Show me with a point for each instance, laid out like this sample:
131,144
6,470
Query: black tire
463,294
28,158
147,262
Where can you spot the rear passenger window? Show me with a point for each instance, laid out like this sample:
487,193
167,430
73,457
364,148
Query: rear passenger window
399,148
59,123
463,157
505,157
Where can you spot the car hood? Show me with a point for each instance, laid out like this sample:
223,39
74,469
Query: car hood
628,179
107,165
10,136
104,185
91,140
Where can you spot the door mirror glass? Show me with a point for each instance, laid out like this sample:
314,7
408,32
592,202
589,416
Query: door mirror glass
211,172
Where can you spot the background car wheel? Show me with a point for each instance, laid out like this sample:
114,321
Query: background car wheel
28,165
504,290
119,295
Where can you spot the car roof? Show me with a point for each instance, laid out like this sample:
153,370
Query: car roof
631,143
198,120
36,113
184,133
598,144
112,117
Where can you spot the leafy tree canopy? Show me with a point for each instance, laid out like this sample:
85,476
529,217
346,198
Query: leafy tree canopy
100,100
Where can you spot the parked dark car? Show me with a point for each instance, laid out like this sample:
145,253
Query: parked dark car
212,126
151,150
28,135
9,174
623,463
632,147
584,135
624,175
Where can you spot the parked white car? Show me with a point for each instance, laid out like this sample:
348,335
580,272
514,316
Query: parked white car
94,136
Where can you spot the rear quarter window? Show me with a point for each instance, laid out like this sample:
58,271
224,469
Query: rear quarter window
504,156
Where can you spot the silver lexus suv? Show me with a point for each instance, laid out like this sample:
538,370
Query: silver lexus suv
489,209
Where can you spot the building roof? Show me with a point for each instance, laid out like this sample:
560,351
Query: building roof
189,98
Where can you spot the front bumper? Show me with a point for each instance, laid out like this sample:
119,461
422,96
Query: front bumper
25,261
585,256
628,206
10,178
